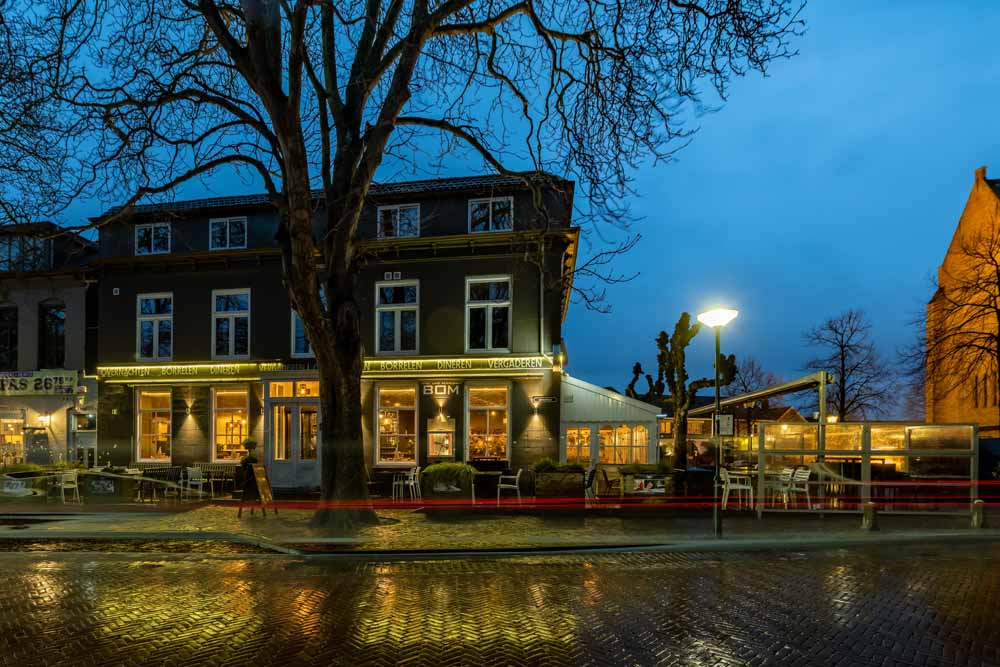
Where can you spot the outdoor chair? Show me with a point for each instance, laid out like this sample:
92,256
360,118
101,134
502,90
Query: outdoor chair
611,486
779,487
195,478
799,484
738,483
412,483
588,487
510,482
69,480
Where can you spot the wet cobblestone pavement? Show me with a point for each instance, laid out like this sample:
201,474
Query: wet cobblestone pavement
929,605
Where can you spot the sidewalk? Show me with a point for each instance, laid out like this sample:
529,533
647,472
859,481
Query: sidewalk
411,530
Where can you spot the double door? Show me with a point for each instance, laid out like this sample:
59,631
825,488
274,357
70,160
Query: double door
292,452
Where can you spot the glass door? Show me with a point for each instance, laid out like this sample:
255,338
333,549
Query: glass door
292,456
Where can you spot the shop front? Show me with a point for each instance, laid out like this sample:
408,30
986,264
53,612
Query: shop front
44,415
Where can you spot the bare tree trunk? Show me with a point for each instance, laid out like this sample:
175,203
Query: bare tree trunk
680,438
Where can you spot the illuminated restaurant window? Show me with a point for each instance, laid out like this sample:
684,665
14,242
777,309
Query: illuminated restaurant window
578,445
307,389
488,409
230,410
11,440
279,389
622,445
397,425
154,434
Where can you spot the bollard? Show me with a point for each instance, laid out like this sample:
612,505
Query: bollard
978,513
869,517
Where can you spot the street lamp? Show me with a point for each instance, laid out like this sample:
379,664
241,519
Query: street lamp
717,318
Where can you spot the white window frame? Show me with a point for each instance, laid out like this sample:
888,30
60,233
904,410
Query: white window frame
489,305
396,309
232,315
416,424
151,226
140,318
395,207
228,246
138,421
224,389
489,200
299,355
467,414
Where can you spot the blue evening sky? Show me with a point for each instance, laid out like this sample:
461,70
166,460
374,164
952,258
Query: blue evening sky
834,183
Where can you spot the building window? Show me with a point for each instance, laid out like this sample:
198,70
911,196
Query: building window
397,425
155,335
51,334
227,233
8,338
231,324
495,214
398,221
487,314
152,239
487,420
229,417
154,419
308,432
397,309
11,439
622,445
578,445
300,341
24,253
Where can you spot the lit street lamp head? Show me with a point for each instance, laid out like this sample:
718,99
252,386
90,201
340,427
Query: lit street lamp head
718,317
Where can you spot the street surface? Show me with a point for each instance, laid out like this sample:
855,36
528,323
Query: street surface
886,605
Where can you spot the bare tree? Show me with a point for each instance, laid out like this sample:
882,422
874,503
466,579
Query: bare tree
672,370
315,94
750,377
864,386
912,362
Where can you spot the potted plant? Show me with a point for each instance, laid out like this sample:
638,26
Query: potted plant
447,481
558,480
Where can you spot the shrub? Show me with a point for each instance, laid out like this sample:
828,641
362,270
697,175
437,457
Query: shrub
640,468
21,467
448,474
546,464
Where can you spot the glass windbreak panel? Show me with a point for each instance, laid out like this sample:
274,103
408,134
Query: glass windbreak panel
844,436
939,467
701,453
308,433
281,426
279,389
11,441
941,437
307,388
790,436
775,464
488,422
231,429
887,437
397,425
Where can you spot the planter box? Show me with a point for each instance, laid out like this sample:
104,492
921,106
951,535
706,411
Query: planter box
444,493
559,484
102,489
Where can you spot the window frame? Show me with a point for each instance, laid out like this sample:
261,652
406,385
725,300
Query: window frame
379,386
490,200
228,246
582,447
227,389
152,251
14,329
232,315
379,234
489,305
139,318
137,430
311,354
42,348
397,318
467,414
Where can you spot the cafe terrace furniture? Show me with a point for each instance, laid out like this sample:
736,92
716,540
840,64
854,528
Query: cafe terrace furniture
779,487
195,478
69,480
611,486
738,483
589,487
511,483
799,484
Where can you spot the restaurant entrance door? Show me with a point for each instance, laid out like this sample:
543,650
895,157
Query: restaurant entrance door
292,452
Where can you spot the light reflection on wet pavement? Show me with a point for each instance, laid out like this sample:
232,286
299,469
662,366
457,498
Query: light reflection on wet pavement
907,605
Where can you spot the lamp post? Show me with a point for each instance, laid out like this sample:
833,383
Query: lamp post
717,318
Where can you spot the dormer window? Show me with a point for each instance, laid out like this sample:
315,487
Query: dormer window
227,233
152,239
495,214
399,221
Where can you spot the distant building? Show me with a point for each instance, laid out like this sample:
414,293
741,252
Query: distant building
973,397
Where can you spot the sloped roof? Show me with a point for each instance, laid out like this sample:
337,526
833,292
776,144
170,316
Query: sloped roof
426,186
585,402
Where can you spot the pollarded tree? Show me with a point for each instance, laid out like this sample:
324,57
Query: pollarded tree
309,97
671,361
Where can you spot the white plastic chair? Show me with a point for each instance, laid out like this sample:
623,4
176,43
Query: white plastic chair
779,487
738,483
69,480
510,482
194,477
412,483
799,484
